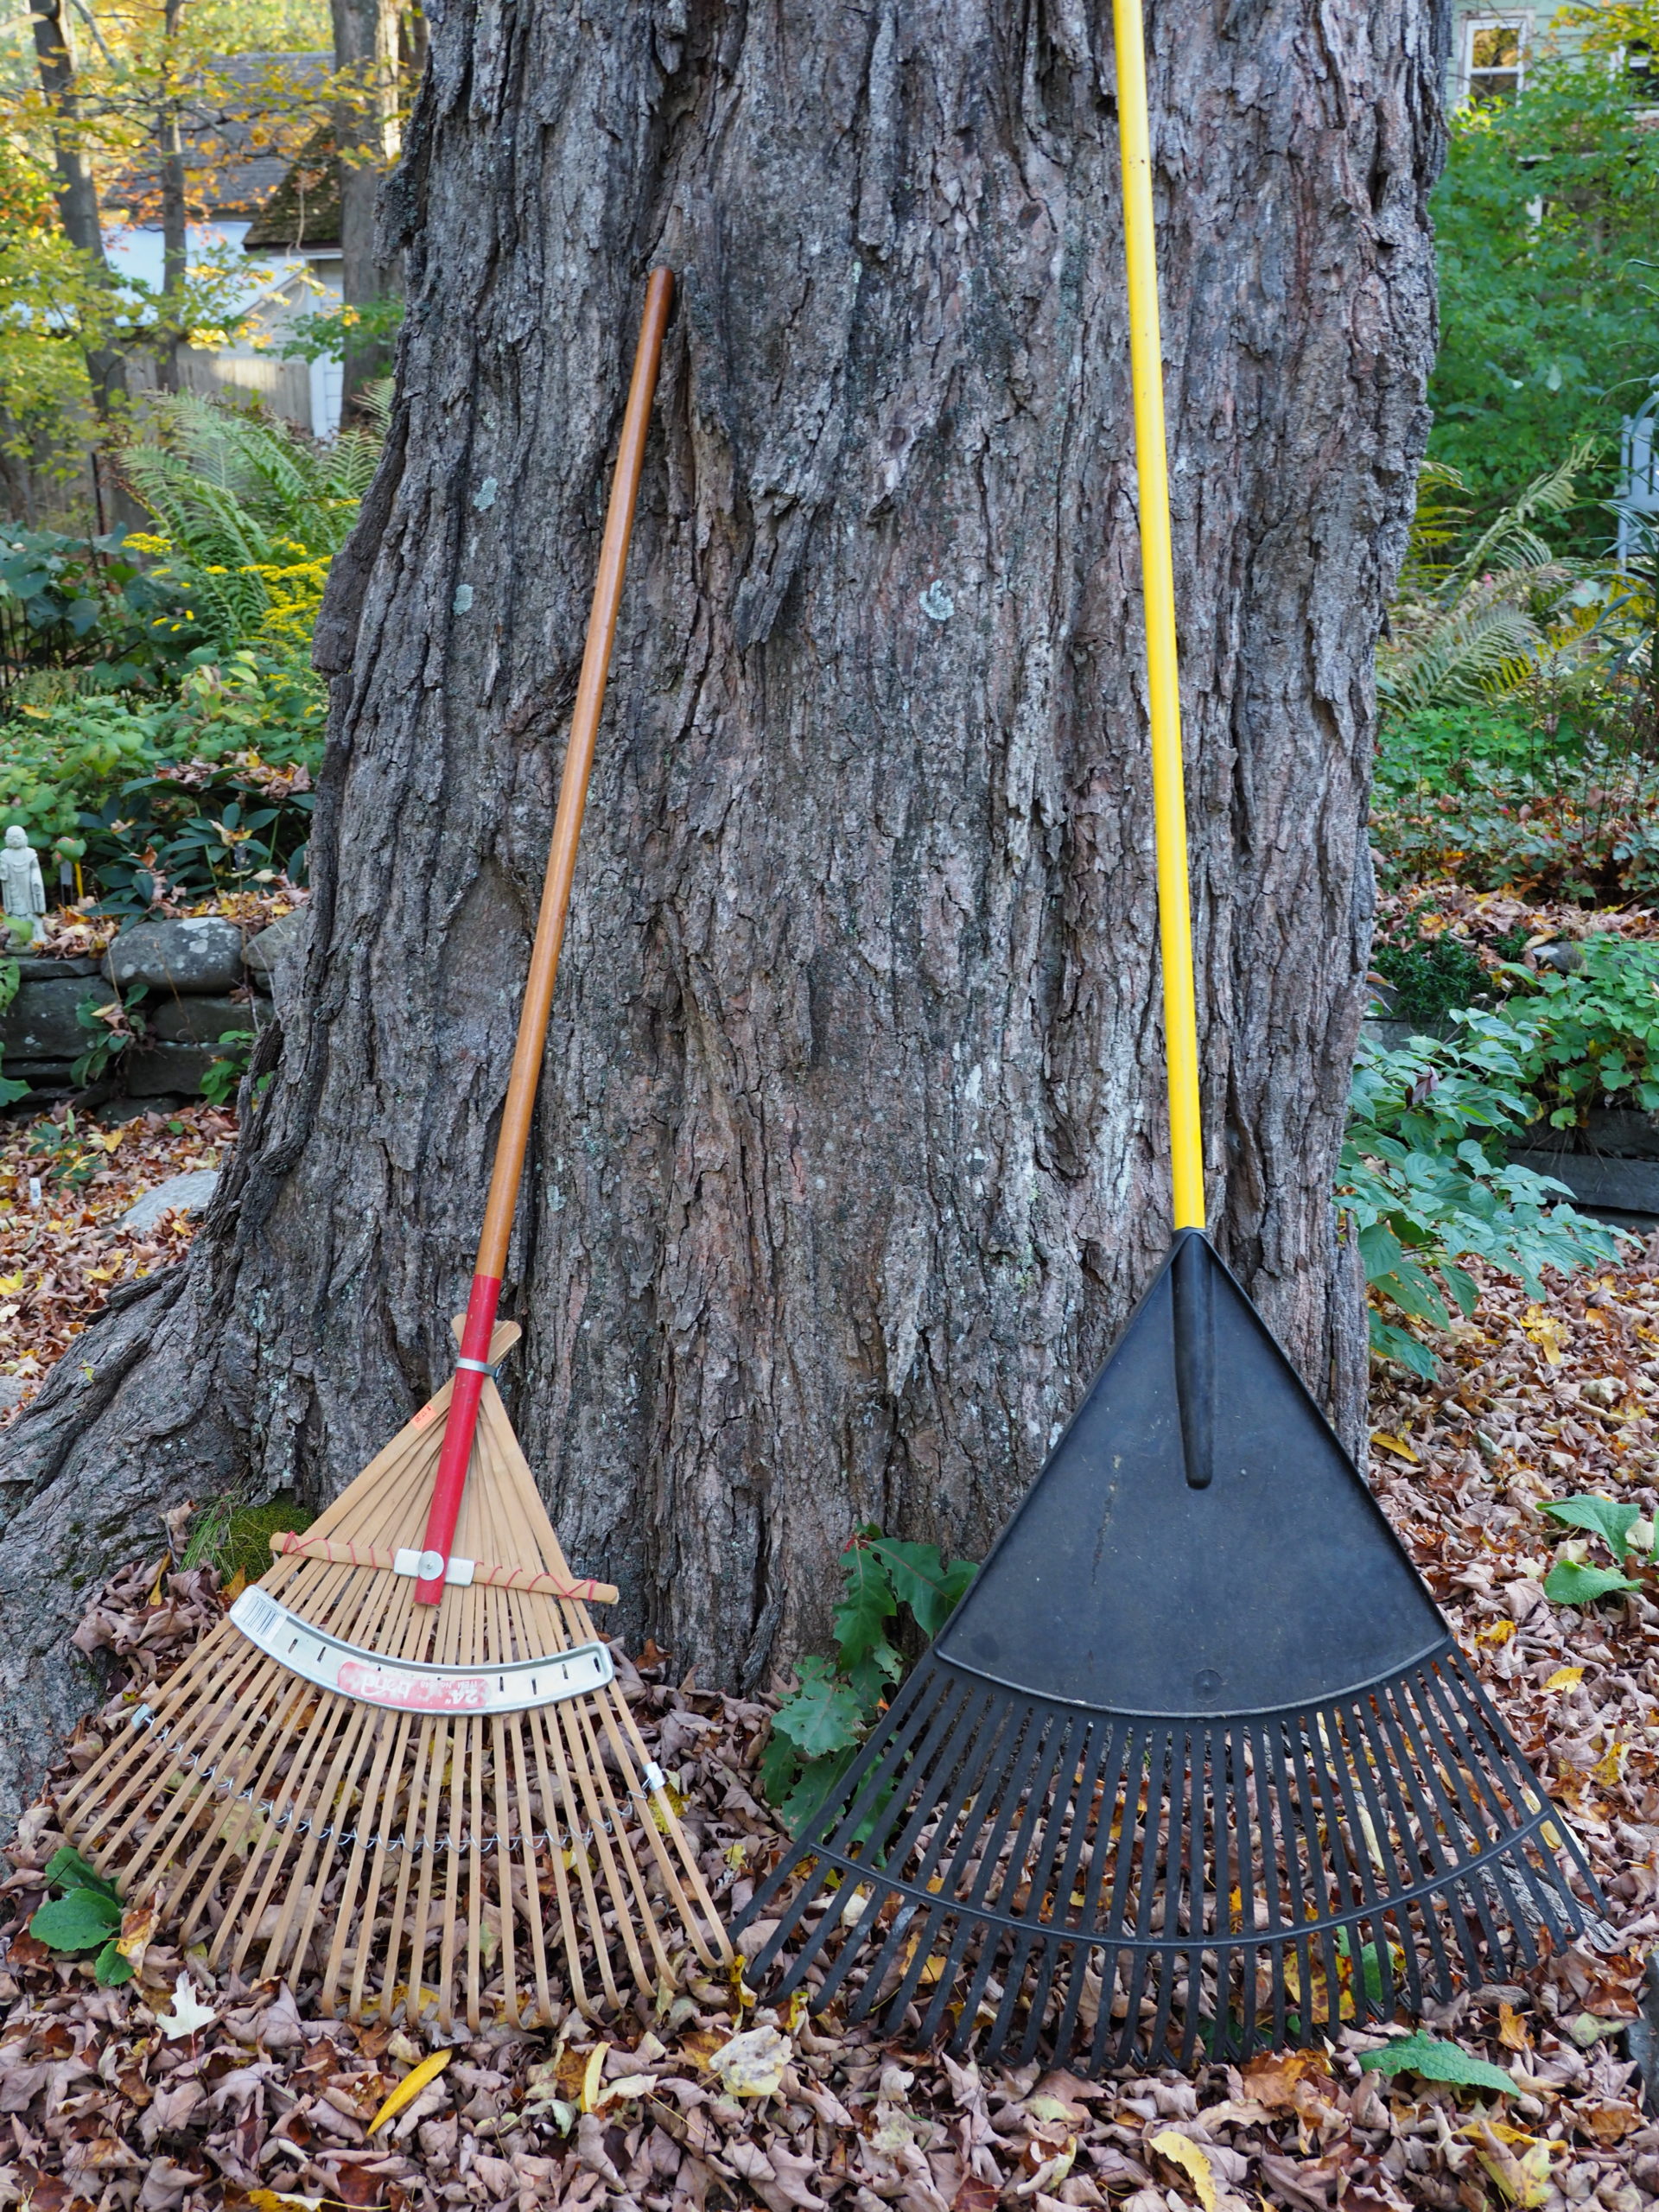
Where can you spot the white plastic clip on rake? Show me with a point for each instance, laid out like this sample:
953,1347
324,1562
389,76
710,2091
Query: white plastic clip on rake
401,1766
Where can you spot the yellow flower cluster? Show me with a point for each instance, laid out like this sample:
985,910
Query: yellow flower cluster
295,593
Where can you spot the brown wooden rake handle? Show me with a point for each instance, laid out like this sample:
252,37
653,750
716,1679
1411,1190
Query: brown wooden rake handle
450,1480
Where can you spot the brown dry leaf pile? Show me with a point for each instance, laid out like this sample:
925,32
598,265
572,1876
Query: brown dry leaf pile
60,1260
220,2093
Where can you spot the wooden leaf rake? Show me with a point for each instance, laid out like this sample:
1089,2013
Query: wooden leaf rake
402,1764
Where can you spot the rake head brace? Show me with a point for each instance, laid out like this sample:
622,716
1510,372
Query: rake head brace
1196,1763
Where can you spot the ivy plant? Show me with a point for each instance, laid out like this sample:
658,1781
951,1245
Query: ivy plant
820,1725
1574,1582
85,1915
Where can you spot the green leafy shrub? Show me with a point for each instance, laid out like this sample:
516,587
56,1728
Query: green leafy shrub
1582,1040
1572,1581
11,974
1422,1176
1429,975
819,1727
1545,218
222,1076
94,606
85,1915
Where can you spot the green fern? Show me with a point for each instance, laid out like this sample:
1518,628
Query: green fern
232,487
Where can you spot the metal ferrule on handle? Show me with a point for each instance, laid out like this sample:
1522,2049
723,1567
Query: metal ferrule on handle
450,1482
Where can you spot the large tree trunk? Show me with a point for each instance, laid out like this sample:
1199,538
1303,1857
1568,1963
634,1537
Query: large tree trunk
851,1152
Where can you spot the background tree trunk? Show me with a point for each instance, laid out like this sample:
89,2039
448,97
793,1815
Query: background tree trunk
366,45
851,1155
77,194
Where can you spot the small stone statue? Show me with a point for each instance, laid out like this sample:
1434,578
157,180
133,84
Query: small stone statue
22,892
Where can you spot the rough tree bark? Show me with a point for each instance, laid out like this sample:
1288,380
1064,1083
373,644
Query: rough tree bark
851,1155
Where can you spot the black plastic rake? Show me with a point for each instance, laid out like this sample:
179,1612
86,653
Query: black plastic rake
1195,1763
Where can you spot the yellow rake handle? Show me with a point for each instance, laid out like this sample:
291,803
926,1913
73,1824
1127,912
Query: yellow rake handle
1158,589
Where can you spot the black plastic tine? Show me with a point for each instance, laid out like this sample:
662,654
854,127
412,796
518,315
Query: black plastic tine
1238,1826
1463,1754
1051,1755
1398,1827
1083,1759
960,1708
1405,1770
1558,1907
1112,1744
1160,1774
1426,1764
1335,1855
1500,1755
887,1744
1281,1869
1027,1774
1020,1945
1071,1749
995,1728
1137,1761
1495,1885
1484,1823
1200,1772
1349,1769
883,1756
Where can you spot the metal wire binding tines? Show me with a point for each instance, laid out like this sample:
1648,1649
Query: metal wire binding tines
143,1717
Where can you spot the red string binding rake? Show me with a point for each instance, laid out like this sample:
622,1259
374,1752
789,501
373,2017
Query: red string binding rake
402,1762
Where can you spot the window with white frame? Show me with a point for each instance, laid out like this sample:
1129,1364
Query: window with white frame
1493,58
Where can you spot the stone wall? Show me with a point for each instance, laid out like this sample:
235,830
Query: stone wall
198,978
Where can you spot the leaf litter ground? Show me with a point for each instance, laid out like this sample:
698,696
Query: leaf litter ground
187,2090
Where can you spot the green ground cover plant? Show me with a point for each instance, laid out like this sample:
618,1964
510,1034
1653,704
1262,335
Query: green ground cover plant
1424,1177
818,1727
1577,1581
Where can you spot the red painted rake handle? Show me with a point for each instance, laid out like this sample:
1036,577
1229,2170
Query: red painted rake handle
451,1478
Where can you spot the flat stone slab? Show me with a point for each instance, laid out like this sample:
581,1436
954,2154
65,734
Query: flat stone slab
190,1193
276,947
40,1023
201,953
1600,1179
196,1021
151,1070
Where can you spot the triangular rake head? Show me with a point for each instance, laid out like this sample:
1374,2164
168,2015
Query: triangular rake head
1195,1766
447,1860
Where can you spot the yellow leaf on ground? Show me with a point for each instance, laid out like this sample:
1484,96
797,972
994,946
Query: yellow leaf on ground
592,2074
1565,1678
1608,1768
1547,1331
409,2088
1397,1445
1494,1632
1181,2151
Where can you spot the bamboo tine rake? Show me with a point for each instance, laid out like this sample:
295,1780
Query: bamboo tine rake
1195,1763
401,1764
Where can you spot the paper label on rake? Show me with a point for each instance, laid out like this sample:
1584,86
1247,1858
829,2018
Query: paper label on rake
318,1657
